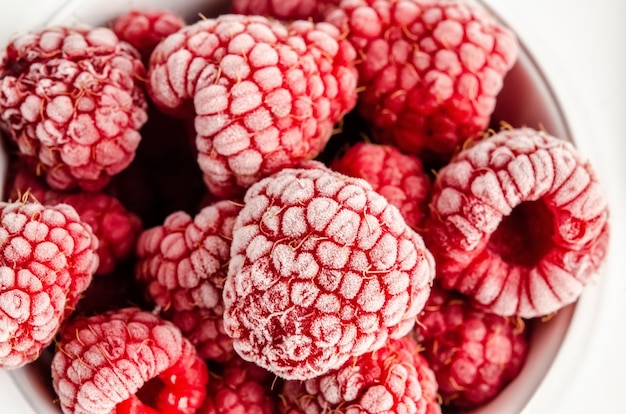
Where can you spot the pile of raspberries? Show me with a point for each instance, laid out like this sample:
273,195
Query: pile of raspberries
294,207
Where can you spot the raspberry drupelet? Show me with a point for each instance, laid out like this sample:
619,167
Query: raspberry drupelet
182,265
322,269
265,94
127,361
430,70
72,101
284,10
399,177
47,259
519,223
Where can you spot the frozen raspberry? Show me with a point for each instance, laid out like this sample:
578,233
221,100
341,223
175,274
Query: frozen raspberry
182,265
71,100
127,361
144,29
284,10
322,269
400,178
474,354
519,223
385,381
240,387
47,258
430,72
265,94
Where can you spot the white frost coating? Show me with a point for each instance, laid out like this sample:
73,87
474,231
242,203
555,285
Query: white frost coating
246,163
245,97
320,211
293,222
384,253
332,255
377,399
268,78
344,226
328,303
16,304
235,67
372,297
231,140
211,99
263,55
304,294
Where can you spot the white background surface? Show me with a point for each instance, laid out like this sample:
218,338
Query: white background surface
581,47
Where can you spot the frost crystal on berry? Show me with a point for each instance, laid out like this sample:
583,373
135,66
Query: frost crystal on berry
322,269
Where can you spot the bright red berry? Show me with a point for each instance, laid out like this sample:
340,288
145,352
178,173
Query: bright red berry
322,269
265,94
430,69
519,223
127,361
47,258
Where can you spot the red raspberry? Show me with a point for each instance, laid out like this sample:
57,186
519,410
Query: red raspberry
241,387
430,72
519,223
322,269
384,381
127,361
474,354
47,258
400,178
71,100
144,29
266,94
284,10
182,265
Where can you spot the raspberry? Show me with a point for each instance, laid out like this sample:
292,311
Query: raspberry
430,72
144,29
266,94
322,269
71,101
240,387
398,177
519,223
127,361
182,265
384,381
47,258
474,354
284,10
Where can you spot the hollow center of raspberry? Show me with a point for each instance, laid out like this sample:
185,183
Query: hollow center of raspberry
150,392
525,236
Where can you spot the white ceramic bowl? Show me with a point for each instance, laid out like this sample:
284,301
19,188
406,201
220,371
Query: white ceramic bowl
526,100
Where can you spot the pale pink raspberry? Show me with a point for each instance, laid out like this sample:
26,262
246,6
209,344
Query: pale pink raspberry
430,70
393,379
183,265
265,94
284,9
47,259
72,101
127,361
322,269
399,177
519,223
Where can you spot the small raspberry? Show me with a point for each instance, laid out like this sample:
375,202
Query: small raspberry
519,222
430,72
144,29
47,258
127,361
384,381
284,10
474,354
398,177
70,99
182,265
265,94
240,387
322,269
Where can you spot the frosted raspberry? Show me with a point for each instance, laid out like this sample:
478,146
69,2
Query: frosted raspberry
144,29
70,99
127,361
385,381
400,178
519,223
322,269
47,258
266,94
182,265
431,69
284,10
240,387
474,354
